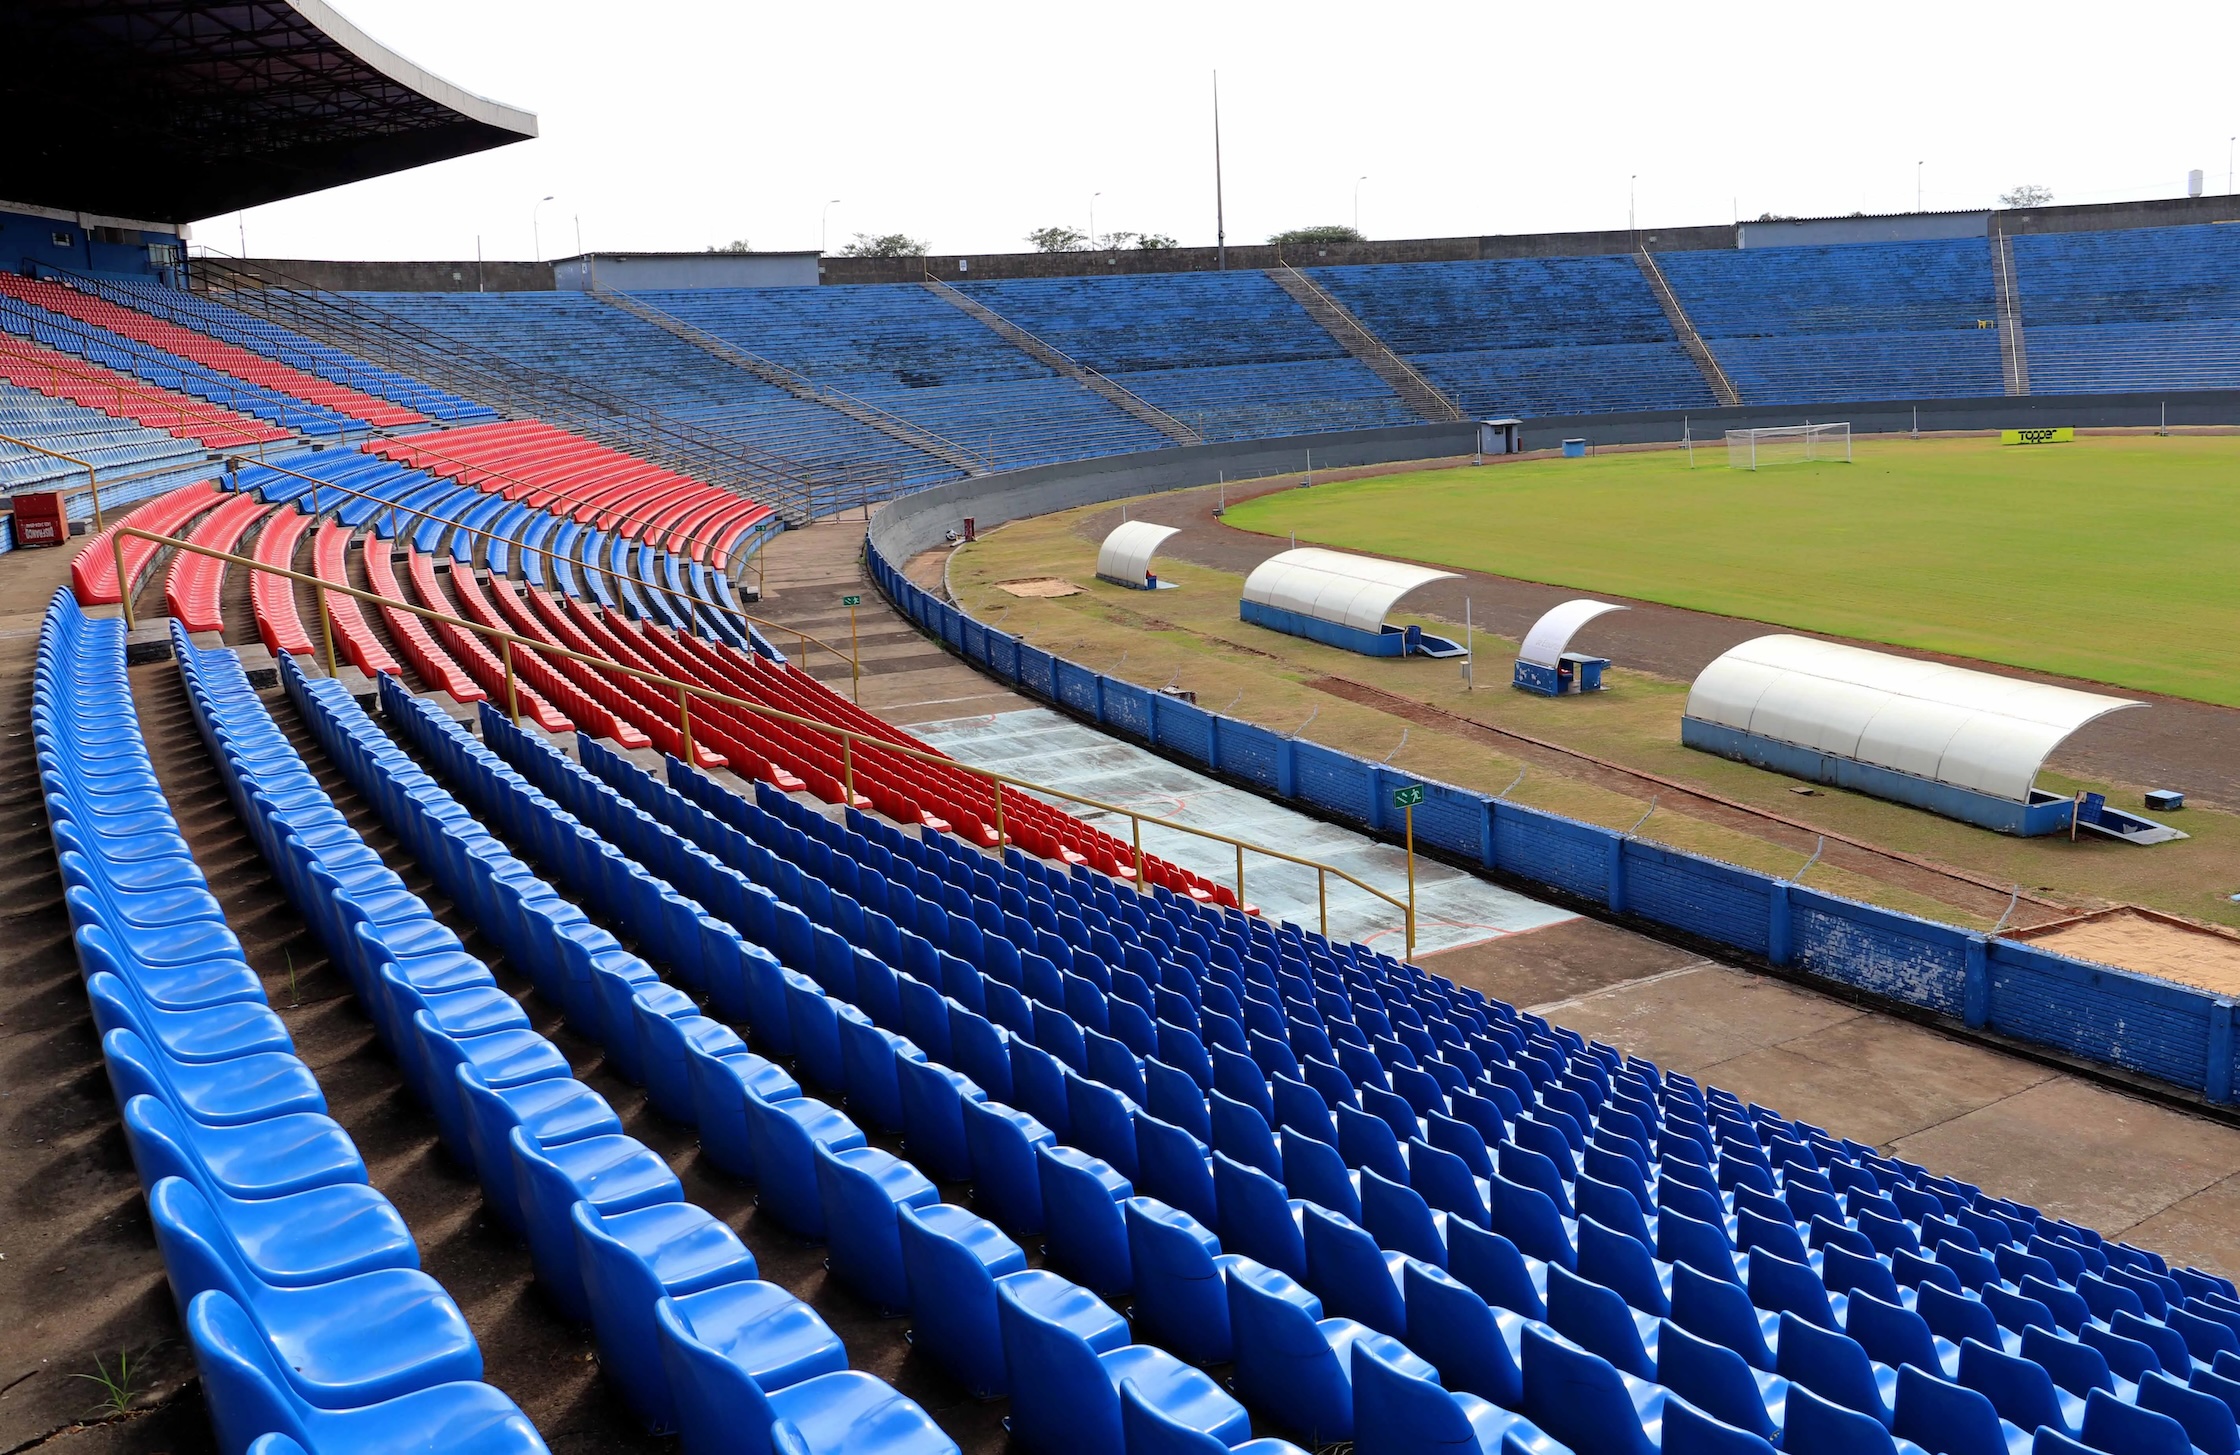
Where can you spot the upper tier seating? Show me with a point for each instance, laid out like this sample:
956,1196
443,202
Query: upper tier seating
1525,336
131,460
2152,308
909,352
58,375
578,336
1859,321
241,363
227,325
1230,353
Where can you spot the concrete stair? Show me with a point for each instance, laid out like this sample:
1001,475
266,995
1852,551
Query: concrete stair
1050,356
1706,362
1337,320
2014,352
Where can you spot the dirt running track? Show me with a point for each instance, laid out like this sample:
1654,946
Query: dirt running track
2173,743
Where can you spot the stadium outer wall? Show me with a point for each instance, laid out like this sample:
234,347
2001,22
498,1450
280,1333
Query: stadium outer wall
2170,1041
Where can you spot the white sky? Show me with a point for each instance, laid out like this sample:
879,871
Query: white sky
675,124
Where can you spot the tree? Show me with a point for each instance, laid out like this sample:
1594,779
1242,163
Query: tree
1155,240
1058,240
1326,233
2029,194
886,245
736,245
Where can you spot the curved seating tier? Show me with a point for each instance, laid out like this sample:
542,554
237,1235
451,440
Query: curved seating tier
434,664
93,573
30,365
273,598
298,1282
354,638
192,589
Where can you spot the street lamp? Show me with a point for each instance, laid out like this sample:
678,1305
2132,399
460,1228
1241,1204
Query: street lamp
536,234
1357,203
1633,190
1093,196
822,235
1917,166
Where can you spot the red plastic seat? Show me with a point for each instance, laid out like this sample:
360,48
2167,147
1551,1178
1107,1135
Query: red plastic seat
93,575
192,589
274,597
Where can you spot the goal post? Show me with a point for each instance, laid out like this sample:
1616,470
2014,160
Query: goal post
1789,444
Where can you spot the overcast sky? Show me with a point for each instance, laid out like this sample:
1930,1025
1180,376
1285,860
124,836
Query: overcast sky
675,124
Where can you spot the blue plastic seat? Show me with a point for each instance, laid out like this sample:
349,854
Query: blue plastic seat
1352,1276
1496,1270
1084,1232
270,1158
1811,1425
358,1340
932,1103
2207,1419
724,1409
1256,1218
1892,1334
1397,1216
1145,1430
1945,1419
2020,1389
249,1397
1400,1408
1834,1366
247,1088
953,1262
862,1190
613,1174
1068,1354
1103,1123
1622,1264
1315,1172
785,1137
1458,1331
1718,1381
2125,1429
1597,1320
1583,1400
1292,1363
1181,1302
722,1079
1172,1166
1718,1310
1006,1182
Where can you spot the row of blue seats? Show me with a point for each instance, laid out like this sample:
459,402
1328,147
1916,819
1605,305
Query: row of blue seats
115,447
612,1239
889,1240
167,370
228,325
298,1281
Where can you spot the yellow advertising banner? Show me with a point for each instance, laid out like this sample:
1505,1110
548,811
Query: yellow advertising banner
2056,435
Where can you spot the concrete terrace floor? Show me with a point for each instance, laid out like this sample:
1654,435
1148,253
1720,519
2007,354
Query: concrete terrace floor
2157,1176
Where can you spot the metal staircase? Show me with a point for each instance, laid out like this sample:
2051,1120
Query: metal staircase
1052,357
2014,353
1706,362
801,386
796,492
1337,320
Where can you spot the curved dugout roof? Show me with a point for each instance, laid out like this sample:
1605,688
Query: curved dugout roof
1951,725
1126,553
1551,635
173,110
1353,591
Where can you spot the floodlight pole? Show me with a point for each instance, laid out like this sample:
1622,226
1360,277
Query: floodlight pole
536,231
1220,226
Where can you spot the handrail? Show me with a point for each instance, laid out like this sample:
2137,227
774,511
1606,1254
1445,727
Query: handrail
392,507
848,737
1390,354
93,481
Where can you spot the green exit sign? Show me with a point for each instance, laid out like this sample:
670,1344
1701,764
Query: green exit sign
1407,797
851,601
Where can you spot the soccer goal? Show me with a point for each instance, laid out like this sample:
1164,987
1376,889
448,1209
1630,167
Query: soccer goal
1788,444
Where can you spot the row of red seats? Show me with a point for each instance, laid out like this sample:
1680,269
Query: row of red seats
227,358
592,712
192,590
353,636
467,648
646,707
552,469
93,575
274,597
59,375
409,632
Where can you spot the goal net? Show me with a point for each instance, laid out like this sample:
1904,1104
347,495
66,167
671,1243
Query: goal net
1788,444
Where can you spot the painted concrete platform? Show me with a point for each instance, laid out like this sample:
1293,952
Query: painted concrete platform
1453,909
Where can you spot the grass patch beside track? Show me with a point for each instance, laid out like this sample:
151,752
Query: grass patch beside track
2112,559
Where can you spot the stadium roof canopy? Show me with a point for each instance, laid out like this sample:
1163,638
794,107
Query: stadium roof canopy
1126,553
1551,635
171,110
1354,591
1950,725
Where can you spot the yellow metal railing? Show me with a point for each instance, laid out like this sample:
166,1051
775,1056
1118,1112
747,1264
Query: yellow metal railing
508,642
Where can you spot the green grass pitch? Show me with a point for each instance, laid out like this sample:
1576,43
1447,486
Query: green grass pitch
2115,559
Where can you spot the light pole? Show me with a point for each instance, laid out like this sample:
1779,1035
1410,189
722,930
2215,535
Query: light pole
822,235
1633,190
1093,196
2228,141
1357,204
1917,166
536,233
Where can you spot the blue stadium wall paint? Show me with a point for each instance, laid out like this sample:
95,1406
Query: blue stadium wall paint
2002,815
2094,1013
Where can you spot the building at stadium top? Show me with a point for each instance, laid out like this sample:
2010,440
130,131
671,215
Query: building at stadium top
204,108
